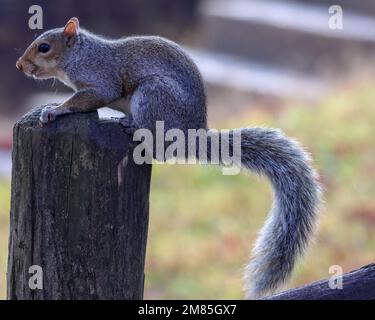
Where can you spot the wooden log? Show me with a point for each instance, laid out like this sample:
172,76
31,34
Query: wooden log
79,210
356,285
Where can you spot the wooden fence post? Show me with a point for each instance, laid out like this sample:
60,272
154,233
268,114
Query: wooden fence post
356,285
79,210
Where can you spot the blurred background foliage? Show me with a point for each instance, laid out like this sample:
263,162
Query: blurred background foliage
265,63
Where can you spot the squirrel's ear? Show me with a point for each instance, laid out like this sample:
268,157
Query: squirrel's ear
72,27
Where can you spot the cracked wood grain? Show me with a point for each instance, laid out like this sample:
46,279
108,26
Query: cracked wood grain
79,210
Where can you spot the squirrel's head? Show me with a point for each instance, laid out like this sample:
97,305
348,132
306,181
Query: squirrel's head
41,59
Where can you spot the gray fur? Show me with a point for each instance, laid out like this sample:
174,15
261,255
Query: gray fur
293,218
294,214
163,83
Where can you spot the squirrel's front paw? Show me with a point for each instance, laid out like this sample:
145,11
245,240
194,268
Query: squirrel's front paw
48,114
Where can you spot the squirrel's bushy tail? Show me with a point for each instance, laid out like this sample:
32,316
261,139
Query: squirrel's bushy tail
293,217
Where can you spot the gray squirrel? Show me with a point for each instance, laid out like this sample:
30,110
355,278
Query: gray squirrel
161,83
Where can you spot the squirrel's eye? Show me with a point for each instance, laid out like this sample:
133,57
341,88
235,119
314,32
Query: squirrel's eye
44,47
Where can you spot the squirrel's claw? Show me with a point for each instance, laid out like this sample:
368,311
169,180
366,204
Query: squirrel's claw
48,114
128,123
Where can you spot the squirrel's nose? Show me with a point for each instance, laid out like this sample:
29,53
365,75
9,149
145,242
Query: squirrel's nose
19,65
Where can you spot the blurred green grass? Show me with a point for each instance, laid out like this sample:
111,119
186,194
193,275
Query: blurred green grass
203,224
4,223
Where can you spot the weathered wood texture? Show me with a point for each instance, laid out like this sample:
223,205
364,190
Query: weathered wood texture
79,210
357,285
